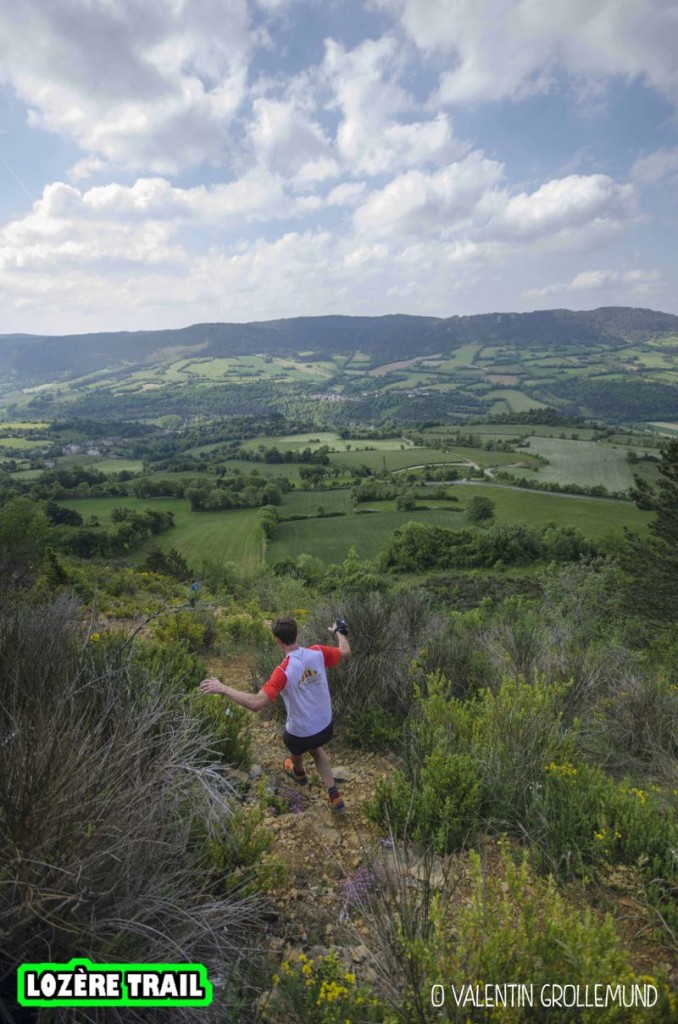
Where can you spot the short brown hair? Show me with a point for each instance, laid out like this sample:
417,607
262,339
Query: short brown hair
285,629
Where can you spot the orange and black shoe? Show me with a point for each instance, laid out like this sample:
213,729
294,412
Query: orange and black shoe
288,768
337,804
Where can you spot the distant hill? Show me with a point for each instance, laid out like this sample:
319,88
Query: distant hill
41,357
616,362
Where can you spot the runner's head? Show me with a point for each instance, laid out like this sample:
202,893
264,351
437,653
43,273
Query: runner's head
285,630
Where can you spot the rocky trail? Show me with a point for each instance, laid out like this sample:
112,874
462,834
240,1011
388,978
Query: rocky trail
321,850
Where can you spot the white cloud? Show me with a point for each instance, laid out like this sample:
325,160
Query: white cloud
287,140
467,200
619,282
381,130
510,48
655,166
138,223
563,208
438,204
152,85
300,273
350,193
86,167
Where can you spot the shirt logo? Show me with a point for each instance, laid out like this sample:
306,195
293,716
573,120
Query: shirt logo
309,676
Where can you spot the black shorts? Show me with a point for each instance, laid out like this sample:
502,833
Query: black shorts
302,744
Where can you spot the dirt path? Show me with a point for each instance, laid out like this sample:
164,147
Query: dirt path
320,849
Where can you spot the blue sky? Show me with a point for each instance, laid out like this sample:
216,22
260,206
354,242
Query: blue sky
166,162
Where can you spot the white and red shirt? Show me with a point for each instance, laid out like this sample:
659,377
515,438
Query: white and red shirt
301,681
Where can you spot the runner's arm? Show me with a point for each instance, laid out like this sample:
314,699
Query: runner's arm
251,701
342,641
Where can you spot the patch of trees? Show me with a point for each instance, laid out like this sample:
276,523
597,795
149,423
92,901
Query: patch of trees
273,455
235,490
372,489
594,491
95,428
167,563
130,529
549,417
620,400
268,521
78,482
420,547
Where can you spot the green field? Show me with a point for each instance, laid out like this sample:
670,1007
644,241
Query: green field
232,536
506,431
595,517
103,463
670,429
307,502
581,462
510,400
395,460
316,439
22,443
23,425
330,539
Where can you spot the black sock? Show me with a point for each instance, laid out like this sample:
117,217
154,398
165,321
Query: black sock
333,792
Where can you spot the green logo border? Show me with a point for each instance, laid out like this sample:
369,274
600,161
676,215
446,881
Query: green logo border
125,999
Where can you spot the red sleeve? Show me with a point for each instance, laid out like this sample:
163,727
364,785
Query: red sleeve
331,655
276,684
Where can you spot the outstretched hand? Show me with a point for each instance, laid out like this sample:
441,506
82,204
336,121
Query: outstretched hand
212,685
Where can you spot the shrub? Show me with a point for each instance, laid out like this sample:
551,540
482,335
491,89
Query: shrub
239,857
166,659
503,924
320,990
579,818
387,631
228,727
190,629
516,638
442,810
104,780
374,729
480,509
245,627
494,746
636,726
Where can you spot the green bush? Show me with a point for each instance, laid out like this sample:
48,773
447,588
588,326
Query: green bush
579,819
636,726
505,738
155,658
443,810
493,923
228,726
320,990
188,628
239,857
375,729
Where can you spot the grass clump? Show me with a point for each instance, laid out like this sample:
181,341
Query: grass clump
105,781
372,691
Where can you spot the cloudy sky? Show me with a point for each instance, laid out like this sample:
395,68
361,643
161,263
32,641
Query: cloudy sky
166,162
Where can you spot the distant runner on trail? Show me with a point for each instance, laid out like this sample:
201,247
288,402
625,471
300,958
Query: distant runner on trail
301,681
